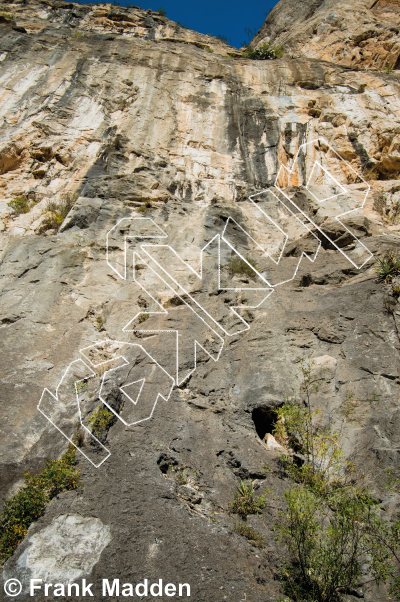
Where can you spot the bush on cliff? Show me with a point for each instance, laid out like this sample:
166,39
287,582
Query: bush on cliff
388,266
264,52
56,212
244,502
100,421
26,506
19,205
332,527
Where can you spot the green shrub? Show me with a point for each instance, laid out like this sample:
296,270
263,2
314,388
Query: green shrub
331,526
100,421
244,502
100,323
81,385
161,12
28,504
19,205
324,463
143,317
146,207
263,53
388,266
253,536
328,540
181,477
238,266
56,212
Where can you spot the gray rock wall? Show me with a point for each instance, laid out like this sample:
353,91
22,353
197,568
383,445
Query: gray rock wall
141,119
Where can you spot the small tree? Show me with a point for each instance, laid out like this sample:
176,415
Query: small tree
320,462
332,525
328,540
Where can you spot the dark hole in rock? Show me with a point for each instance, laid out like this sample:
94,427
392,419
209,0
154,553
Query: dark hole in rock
310,85
306,280
174,302
142,302
264,421
165,462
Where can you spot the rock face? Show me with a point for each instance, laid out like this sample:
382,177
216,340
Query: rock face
64,551
167,137
363,33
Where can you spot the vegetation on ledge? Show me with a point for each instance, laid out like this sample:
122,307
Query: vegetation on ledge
264,52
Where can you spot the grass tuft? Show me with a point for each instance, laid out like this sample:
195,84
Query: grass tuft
56,212
244,502
100,324
146,207
388,266
254,537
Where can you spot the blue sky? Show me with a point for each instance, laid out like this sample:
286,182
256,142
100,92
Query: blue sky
227,18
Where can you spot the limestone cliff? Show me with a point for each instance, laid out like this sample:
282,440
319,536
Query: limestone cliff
127,115
360,34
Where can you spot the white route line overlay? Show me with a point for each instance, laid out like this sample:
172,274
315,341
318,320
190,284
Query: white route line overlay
146,248
56,397
89,365
302,148
196,342
304,254
199,274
